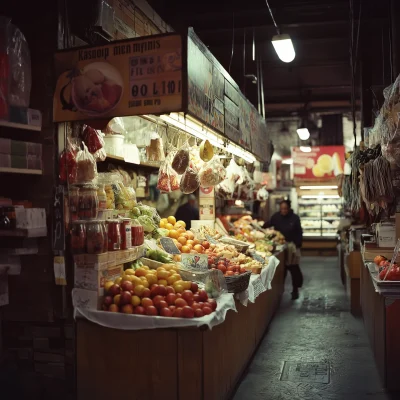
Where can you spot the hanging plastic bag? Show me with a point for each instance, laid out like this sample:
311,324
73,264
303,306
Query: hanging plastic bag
212,173
190,181
167,178
181,159
86,166
95,143
195,161
67,163
262,194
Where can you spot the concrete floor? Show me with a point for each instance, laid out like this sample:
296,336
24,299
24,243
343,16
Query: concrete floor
317,328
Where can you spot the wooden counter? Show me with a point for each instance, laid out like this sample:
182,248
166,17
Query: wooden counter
381,316
174,363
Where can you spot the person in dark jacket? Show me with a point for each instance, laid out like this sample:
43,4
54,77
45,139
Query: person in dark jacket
188,212
288,223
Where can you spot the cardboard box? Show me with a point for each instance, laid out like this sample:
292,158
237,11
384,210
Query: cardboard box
29,218
88,299
90,277
386,234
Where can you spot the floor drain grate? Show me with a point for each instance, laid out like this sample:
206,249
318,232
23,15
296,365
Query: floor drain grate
306,372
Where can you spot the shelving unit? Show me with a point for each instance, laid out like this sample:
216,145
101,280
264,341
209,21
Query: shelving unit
23,171
151,164
15,125
310,211
28,233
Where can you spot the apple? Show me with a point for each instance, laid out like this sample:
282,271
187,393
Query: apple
180,303
162,290
177,312
154,290
169,289
162,304
114,290
212,303
127,286
146,292
187,295
201,304
146,302
126,298
108,300
151,310
127,309
194,287
187,312
170,298
138,310
196,297
172,308
165,312
157,299
203,295
207,310
113,308
198,313
196,306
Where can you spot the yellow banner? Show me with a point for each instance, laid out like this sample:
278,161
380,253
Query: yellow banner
130,77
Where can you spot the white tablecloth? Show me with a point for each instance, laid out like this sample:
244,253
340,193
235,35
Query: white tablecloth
259,283
225,303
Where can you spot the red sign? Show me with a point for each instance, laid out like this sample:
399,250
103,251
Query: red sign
320,162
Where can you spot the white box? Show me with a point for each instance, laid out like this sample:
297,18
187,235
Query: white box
386,234
30,218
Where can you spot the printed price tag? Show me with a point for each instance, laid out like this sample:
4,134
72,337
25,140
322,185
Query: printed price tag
195,261
169,246
59,271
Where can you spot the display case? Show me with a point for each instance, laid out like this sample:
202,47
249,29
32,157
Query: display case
320,216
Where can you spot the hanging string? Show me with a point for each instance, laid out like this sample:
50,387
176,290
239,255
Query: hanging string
273,19
233,41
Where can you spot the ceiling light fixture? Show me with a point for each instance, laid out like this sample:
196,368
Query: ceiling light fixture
303,132
282,43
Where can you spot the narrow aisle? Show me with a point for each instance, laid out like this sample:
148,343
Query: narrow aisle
317,328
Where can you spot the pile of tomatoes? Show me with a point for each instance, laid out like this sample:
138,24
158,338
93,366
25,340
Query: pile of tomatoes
383,263
227,267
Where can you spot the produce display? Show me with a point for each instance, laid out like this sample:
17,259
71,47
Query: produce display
160,292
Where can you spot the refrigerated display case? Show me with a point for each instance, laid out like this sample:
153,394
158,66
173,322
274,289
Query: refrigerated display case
320,217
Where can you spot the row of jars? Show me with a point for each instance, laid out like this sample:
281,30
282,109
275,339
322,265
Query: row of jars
96,237
86,201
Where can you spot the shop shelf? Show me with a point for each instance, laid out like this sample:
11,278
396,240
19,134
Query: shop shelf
15,125
152,164
27,233
21,171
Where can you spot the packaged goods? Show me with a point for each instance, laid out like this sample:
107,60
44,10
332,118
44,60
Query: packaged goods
78,237
155,151
167,178
88,202
190,181
86,166
95,237
212,173
95,143
181,160
67,165
114,235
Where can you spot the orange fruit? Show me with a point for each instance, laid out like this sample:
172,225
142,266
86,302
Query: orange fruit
173,234
140,272
181,223
163,274
196,241
129,271
185,249
182,240
171,220
190,241
179,246
190,234
169,226
173,278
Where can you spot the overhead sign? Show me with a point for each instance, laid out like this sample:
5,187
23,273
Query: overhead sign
129,77
320,162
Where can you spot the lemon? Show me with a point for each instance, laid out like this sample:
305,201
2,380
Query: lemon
171,220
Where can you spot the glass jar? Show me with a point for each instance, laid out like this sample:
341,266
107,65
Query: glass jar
137,234
94,237
88,202
101,194
74,203
126,234
78,237
105,235
114,235
10,212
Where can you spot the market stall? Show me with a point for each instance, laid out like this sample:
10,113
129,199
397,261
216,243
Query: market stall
141,278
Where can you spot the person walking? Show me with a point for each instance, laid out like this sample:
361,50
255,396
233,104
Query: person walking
288,223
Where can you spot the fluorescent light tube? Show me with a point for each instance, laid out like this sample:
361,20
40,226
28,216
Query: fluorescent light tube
305,149
283,46
319,187
321,196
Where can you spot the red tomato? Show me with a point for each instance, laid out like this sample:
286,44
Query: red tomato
170,289
151,310
166,312
138,310
170,298
230,273
194,287
207,310
162,304
157,299
196,306
177,312
187,312
203,295
196,297
242,270
172,308
222,268
212,303
198,313
187,295
231,269
146,302
180,303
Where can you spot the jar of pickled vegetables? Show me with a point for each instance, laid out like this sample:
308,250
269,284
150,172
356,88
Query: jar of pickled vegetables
101,194
94,237
74,202
78,237
88,202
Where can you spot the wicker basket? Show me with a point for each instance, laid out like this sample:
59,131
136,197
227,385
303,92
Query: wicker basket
239,283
